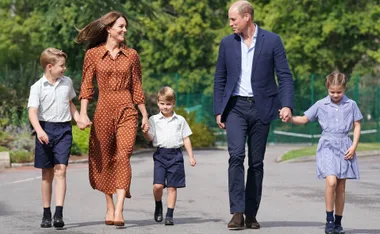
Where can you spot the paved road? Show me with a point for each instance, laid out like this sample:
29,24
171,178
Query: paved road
292,202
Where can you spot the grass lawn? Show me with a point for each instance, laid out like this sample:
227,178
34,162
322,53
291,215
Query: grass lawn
308,151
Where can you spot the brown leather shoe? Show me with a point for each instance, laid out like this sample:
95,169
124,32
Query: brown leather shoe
237,222
251,222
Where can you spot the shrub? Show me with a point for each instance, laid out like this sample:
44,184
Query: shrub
21,156
80,141
202,135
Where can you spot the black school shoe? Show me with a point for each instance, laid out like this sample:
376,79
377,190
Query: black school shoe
338,229
158,214
58,222
46,222
169,221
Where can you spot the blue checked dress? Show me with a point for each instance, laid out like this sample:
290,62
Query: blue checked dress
336,121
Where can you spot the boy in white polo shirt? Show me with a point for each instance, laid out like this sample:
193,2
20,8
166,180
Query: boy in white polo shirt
51,109
169,132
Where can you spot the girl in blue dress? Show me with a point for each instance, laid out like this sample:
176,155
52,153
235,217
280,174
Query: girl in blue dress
336,158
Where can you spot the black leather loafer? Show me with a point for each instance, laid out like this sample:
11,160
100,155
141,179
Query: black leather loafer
46,222
158,214
169,221
58,222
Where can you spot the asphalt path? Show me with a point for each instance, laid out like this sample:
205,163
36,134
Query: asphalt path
293,199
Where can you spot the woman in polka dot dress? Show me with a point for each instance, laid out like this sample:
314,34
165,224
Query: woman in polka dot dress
117,71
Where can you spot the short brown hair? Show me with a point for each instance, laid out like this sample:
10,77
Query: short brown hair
336,78
51,56
166,93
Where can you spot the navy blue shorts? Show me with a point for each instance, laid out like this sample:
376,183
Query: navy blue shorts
168,168
59,147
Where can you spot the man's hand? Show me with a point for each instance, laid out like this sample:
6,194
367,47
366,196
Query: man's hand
219,122
285,114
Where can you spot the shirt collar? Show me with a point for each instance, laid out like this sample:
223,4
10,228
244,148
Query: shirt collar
327,100
161,116
45,80
104,51
254,35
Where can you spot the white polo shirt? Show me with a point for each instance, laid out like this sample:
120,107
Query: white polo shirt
52,100
168,132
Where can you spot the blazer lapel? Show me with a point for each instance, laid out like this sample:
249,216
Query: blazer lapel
259,45
237,45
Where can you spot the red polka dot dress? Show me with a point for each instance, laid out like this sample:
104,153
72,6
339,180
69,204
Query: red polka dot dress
114,128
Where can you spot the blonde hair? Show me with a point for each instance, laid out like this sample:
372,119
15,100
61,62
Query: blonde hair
336,78
51,56
167,94
95,32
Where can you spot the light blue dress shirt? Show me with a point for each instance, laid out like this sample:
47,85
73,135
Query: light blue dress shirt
243,86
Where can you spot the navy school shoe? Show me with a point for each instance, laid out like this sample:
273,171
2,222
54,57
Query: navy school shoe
46,222
330,227
339,229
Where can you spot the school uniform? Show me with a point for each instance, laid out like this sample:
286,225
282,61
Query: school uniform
53,103
336,121
168,135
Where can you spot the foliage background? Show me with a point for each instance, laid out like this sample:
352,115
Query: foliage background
178,42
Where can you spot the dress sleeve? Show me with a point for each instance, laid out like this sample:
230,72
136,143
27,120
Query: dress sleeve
88,77
136,89
357,114
312,113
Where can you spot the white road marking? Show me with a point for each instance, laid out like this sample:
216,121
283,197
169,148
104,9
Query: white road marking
22,181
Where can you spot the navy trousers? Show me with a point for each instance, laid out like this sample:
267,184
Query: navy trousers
243,125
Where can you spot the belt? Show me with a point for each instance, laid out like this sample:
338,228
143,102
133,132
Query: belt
243,98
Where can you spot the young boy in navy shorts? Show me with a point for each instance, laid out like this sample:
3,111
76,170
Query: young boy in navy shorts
169,132
50,112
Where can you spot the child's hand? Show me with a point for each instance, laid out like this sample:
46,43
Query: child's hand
145,128
43,137
350,153
192,161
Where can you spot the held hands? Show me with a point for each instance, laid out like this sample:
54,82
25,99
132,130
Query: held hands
350,153
145,125
83,122
43,137
285,114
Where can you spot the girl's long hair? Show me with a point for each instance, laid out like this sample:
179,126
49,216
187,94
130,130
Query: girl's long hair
95,32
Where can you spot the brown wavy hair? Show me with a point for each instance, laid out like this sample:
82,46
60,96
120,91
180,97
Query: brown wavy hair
95,32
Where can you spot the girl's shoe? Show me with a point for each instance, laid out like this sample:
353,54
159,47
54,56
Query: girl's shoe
338,229
330,228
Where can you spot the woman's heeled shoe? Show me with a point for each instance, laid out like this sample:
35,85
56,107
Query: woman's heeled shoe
109,222
119,223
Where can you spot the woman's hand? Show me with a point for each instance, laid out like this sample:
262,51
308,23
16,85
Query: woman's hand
83,122
145,124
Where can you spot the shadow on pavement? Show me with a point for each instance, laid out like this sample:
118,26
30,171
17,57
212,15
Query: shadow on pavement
146,222
290,224
362,231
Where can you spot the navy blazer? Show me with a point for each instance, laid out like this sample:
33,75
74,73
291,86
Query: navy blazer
269,57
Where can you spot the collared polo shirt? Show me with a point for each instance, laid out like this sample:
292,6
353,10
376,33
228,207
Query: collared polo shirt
168,132
52,100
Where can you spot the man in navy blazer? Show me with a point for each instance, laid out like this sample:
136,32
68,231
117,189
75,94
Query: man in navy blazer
246,100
